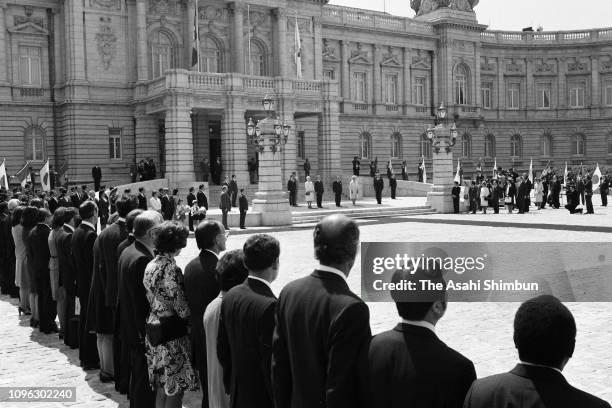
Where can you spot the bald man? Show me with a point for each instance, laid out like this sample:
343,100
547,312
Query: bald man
321,326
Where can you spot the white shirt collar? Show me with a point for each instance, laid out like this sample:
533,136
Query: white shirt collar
70,227
420,323
213,252
541,365
89,224
332,270
261,280
120,219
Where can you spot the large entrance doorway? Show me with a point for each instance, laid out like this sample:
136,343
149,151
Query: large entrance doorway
214,144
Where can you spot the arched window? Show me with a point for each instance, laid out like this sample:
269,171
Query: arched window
490,146
466,145
516,146
396,145
461,85
162,53
425,145
211,55
365,145
34,144
547,144
257,64
579,145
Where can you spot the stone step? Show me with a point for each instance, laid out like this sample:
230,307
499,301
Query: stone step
379,213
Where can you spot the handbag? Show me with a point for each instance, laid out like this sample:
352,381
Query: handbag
168,328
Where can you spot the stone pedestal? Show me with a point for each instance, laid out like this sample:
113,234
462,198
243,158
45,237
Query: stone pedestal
271,200
440,198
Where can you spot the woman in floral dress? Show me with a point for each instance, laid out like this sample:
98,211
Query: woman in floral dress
170,369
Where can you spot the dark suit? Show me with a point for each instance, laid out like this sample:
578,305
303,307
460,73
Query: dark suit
588,196
393,186
378,188
337,188
202,200
321,330
190,199
201,288
410,366
244,344
53,204
39,266
292,188
133,311
100,319
319,190
603,191
456,192
142,202
233,191
225,204
83,240
75,200
243,203
7,256
96,173
529,387
166,208
356,167
522,195
67,272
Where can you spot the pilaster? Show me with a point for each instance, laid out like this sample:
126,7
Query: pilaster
141,40
501,89
146,133
376,85
75,40
237,10
3,46
329,141
179,140
289,155
188,34
562,94
434,79
530,103
595,85
346,91
407,89
280,34
477,81
234,141
318,48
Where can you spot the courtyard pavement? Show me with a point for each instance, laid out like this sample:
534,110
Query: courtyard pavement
481,331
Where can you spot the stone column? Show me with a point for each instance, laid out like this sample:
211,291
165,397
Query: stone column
57,47
434,79
562,94
376,79
477,81
530,102
501,89
141,40
280,49
346,80
407,90
188,34
289,156
329,158
3,46
237,10
318,48
75,41
595,86
443,176
234,141
179,141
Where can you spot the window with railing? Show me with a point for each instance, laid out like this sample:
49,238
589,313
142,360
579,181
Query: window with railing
466,145
547,145
461,85
514,94
365,143
516,146
211,55
578,145
359,87
576,95
425,146
543,96
490,146
30,66
390,89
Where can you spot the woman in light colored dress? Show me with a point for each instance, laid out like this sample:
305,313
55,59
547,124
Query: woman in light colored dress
21,277
538,189
309,191
169,363
353,189
180,214
485,191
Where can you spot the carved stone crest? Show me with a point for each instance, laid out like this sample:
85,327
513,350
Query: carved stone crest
390,58
486,66
576,66
110,4
163,7
360,55
514,68
107,42
29,11
544,68
421,60
329,51
426,6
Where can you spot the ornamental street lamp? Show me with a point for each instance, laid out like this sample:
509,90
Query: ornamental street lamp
270,131
442,135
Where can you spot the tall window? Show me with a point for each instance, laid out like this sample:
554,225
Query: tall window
211,56
162,54
608,93
365,141
514,93
34,144
461,86
466,145
29,66
301,144
490,146
516,146
396,145
547,144
425,145
487,98
390,89
359,86
576,95
419,97
578,144
114,143
543,96
257,64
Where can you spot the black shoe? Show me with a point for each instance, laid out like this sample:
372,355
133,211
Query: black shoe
106,378
242,227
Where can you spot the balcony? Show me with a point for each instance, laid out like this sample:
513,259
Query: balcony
29,94
547,38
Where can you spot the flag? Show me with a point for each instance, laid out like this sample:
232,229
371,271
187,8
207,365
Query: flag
596,179
565,175
424,170
495,169
45,177
195,49
530,177
457,175
63,169
3,176
23,175
298,50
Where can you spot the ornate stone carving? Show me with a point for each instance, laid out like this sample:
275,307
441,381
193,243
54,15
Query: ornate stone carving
107,42
29,11
360,55
576,66
212,14
606,66
486,66
426,6
390,59
514,68
305,25
163,7
329,51
421,60
109,4
544,68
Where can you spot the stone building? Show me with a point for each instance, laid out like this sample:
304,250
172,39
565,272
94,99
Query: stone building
110,82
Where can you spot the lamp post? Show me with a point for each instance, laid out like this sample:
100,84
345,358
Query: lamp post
442,137
269,135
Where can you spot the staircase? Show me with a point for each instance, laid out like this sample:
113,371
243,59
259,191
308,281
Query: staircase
307,216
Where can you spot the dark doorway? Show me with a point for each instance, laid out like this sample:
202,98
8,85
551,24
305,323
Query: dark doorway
214,138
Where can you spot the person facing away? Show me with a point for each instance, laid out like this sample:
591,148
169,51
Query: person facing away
409,366
545,337
322,327
230,272
246,326
243,206
201,288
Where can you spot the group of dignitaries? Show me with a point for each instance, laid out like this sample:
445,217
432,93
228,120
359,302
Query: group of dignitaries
158,332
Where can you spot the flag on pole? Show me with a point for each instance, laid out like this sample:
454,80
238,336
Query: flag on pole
3,176
195,50
457,175
495,169
23,175
565,175
298,50
424,170
530,176
45,177
596,179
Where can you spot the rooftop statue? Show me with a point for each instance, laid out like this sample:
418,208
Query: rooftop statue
425,6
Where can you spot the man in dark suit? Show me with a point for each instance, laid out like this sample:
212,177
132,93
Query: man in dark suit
306,168
410,366
74,197
133,306
337,188
243,204
201,198
456,192
233,190
64,200
356,165
319,190
393,185
142,199
166,205
588,194
292,188
521,195
604,187
246,326
225,204
129,240
7,249
190,200
322,327
529,187
545,336
201,288
52,202
83,240
378,188
580,188
96,173
67,269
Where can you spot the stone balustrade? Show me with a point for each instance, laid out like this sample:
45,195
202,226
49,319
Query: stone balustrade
547,37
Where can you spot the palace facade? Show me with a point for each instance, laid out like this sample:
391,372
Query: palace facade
110,82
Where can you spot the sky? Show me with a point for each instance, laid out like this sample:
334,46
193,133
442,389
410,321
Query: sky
514,15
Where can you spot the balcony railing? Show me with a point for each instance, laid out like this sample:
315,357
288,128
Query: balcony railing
544,37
